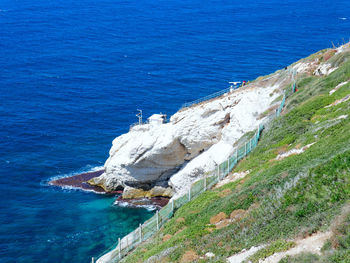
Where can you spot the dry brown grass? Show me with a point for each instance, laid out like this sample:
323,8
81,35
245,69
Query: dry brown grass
180,220
225,192
217,218
189,256
179,231
167,237
337,223
329,54
223,223
282,149
237,215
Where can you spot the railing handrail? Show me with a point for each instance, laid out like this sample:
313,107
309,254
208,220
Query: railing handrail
208,97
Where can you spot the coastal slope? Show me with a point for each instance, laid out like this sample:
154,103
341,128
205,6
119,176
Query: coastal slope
289,200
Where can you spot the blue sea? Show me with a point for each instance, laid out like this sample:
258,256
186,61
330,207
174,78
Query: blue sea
73,74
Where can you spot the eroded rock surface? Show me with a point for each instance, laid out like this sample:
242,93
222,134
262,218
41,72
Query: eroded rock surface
194,141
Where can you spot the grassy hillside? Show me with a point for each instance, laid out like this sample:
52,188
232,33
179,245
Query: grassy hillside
280,199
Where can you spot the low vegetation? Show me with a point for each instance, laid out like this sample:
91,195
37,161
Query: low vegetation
278,200
277,246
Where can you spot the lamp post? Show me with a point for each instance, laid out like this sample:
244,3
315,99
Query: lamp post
139,115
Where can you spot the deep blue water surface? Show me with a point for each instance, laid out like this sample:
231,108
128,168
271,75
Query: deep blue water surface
73,73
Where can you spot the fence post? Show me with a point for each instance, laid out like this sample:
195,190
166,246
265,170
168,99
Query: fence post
205,183
127,244
245,149
92,260
120,249
172,206
189,194
228,165
140,227
157,220
218,173
237,155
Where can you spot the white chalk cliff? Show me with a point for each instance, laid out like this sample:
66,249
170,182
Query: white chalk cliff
192,143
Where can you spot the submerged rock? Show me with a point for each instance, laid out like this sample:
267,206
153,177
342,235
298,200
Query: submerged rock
130,192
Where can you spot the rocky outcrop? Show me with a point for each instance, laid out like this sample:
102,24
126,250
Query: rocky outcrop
130,192
191,144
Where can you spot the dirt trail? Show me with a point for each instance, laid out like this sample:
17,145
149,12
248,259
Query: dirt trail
243,255
312,244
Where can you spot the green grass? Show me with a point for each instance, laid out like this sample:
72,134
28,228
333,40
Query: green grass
301,258
275,247
296,196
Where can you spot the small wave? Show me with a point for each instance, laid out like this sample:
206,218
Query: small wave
74,237
48,75
149,208
342,18
72,188
87,169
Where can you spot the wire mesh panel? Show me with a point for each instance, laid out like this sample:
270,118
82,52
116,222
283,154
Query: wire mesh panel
180,201
241,152
279,110
249,147
255,140
227,164
233,162
165,213
224,169
149,228
211,181
197,188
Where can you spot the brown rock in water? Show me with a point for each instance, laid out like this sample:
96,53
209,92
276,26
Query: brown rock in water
80,181
157,191
134,193
219,217
158,202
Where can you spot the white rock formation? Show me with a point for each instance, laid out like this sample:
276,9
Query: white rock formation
192,143
338,87
303,67
293,152
324,69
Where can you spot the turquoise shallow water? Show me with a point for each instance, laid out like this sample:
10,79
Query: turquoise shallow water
72,75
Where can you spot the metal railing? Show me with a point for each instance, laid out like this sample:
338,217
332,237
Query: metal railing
152,226
209,97
138,124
